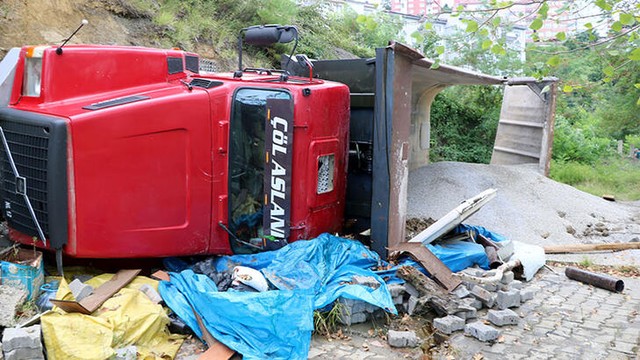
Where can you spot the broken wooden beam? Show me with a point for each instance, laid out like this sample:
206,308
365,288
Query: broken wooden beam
577,248
431,294
103,293
420,253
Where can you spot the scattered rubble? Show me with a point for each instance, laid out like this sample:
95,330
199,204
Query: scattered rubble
11,298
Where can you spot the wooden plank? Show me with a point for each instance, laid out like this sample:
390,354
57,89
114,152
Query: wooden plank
217,350
92,302
420,253
108,289
70,306
576,248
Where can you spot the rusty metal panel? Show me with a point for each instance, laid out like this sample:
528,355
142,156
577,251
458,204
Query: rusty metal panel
441,273
525,128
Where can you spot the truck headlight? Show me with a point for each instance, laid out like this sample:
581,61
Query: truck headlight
32,83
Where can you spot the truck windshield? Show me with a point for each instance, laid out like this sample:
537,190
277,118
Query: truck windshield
247,164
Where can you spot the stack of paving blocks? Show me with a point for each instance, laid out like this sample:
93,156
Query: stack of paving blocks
498,297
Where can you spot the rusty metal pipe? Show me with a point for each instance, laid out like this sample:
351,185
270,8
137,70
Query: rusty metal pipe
602,281
494,260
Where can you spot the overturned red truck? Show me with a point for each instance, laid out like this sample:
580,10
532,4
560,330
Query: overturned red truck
111,151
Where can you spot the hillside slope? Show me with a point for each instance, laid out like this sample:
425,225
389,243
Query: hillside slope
37,22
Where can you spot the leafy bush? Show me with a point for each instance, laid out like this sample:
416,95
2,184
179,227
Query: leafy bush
579,142
463,124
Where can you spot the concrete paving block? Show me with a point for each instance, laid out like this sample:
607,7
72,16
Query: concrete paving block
481,331
466,312
527,294
411,305
448,324
79,289
508,299
22,343
402,338
516,284
507,277
503,317
461,292
1,353
483,295
348,319
396,290
490,287
411,290
398,300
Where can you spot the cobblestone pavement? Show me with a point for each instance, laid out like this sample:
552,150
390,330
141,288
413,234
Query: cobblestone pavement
565,320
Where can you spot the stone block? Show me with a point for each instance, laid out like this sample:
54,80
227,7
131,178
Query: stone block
503,317
411,290
516,284
396,290
527,294
461,292
402,338
348,319
22,343
490,287
507,277
398,300
508,299
466,312
487,298
79,289
411,305
481,331
448,324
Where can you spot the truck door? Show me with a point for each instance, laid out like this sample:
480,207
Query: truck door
252,198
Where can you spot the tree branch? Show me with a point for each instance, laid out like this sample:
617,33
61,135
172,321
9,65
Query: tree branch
605,41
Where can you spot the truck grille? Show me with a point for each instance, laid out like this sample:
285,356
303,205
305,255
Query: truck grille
29,146
38,145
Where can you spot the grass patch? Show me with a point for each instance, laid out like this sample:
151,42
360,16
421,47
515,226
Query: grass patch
616,176
326,323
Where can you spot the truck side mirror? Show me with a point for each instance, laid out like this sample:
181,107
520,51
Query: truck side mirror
263,35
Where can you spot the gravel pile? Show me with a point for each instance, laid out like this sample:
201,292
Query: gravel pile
528,207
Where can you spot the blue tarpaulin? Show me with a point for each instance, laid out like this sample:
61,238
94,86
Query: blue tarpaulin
277,324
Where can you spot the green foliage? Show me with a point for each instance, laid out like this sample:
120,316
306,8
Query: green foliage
611,175
579,141
326,323
463,124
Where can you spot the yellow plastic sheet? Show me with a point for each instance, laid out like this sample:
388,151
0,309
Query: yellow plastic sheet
127,318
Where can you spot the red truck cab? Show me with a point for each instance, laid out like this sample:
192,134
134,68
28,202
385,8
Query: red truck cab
131,152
